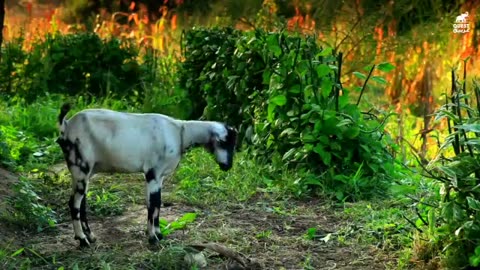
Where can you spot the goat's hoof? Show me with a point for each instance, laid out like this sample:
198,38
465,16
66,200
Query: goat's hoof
83,242
91,238
153,240
159,235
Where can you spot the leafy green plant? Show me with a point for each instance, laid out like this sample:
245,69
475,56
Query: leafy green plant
30,212
284,93
178,224
72,64
452,221
104,202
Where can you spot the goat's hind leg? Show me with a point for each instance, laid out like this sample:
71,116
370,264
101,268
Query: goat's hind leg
83,218
77,204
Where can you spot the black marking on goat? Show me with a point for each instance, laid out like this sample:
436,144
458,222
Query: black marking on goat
85,168
80,189
230,140
63,112
84,220
183,149
67,147
150,175
228,144
155,202
73,211
156,221
83,215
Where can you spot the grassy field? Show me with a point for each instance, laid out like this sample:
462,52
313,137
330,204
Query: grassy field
249,210
345,167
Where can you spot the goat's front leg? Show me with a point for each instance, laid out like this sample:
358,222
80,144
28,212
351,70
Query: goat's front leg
154,200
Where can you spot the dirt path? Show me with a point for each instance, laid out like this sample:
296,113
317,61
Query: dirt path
275,240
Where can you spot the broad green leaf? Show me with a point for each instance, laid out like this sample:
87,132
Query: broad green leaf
446,113
368,68
289,154
308,138
279,100
344,122
325,52
379,80
448,171
458,212
326,87
188,217
469,127
473,203
431,220
273,46
401,190
287,132
266,76
360,75
270,140
447,211
308,147
357,88
270,111
385,67
351,132
343,101
324,155
339,195
323,70
18,252
295,89
474,261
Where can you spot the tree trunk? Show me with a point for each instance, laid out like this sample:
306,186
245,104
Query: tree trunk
2,20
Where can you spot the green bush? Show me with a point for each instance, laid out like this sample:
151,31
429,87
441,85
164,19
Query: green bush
451,215
30,212
72,64
287,90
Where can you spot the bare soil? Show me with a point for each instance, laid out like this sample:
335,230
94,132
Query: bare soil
275,240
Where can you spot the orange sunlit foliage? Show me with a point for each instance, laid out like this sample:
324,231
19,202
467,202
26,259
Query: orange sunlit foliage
301,21
419,70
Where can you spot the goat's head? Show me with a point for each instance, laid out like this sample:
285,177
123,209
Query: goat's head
222,145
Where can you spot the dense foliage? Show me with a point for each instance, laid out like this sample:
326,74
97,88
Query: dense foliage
303,128
285,90
451,216
71,64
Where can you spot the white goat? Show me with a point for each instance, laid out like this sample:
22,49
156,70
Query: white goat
105,141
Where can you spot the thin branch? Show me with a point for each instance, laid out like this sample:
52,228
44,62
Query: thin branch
365,84
412,223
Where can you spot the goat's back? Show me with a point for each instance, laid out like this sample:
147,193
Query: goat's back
125,142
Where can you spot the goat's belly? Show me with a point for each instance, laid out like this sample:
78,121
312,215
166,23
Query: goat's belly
101,167
119,163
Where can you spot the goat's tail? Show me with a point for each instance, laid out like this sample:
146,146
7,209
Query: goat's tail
61,117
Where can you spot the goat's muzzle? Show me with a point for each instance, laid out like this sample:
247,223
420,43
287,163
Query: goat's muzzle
224,167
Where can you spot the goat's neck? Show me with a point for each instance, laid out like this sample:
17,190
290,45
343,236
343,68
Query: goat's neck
196,133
